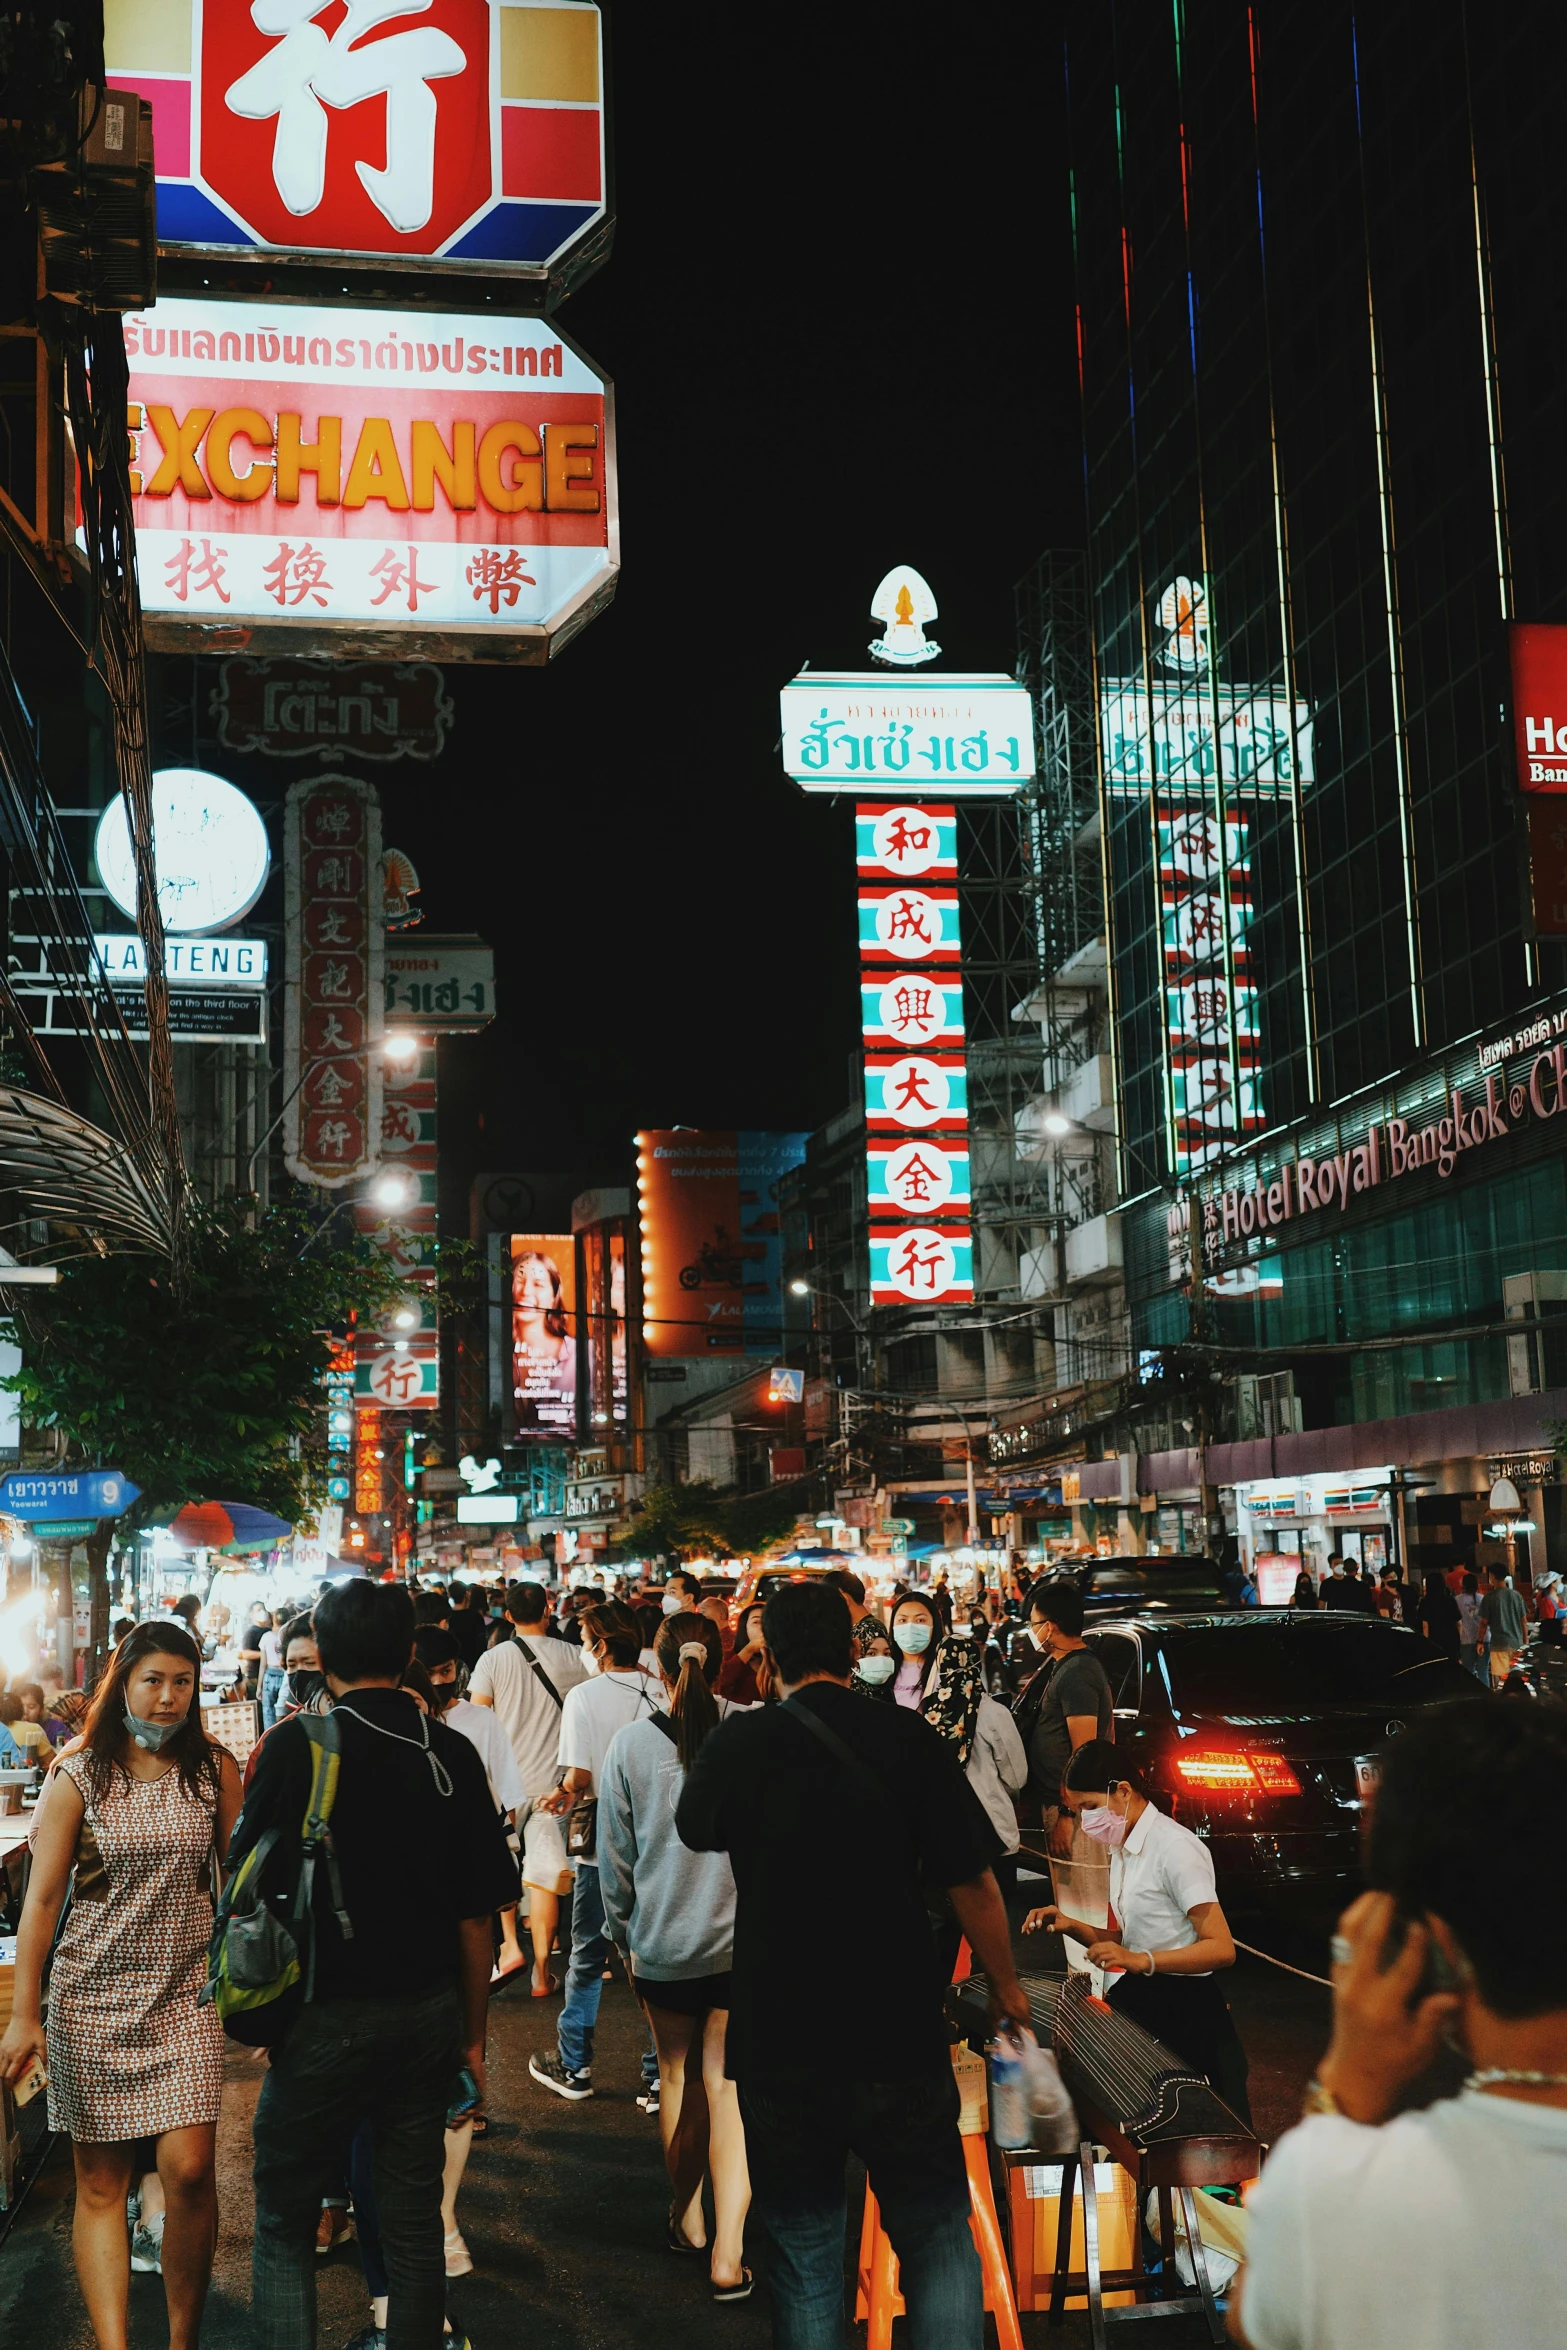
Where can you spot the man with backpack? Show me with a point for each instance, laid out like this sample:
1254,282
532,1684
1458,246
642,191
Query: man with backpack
526,1680
396,1965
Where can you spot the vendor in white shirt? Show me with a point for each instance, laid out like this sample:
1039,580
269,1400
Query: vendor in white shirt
1173,1940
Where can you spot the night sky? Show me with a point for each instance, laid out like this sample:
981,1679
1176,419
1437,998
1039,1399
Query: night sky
838,319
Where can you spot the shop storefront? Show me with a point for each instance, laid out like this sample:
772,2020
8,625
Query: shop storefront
1285,1525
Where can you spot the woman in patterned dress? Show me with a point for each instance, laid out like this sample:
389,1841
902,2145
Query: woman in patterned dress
140,1807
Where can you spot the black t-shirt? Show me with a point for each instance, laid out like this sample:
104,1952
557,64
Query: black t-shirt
471,1631
835,1966
1077,1685
412,1861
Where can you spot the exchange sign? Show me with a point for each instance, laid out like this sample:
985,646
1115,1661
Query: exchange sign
468,132
368,482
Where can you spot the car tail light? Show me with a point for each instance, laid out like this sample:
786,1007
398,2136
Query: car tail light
1228,1772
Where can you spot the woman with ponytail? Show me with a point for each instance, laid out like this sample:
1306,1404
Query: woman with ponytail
673,1911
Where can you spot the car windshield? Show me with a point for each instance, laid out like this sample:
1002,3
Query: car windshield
1250,1668
1171,1582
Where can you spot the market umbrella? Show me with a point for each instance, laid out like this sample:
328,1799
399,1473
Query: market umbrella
213,1525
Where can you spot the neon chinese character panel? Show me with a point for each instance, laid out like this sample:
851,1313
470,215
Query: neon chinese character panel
1212,1033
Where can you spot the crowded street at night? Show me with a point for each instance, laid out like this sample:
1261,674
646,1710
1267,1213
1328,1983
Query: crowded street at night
783,1239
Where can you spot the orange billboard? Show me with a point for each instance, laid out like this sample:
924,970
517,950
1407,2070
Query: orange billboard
712,1241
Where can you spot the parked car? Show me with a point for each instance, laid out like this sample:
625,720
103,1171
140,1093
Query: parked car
1112,1587
1260,1730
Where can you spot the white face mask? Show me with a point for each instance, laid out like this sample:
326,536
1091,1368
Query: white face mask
673,1604
913,1639
1036,1636
876,1669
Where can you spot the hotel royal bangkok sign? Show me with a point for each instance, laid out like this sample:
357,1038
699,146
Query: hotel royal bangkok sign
467,133
367,483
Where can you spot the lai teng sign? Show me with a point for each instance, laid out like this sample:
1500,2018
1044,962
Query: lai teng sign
945,737
464,132
1522,1081
299,709
373,483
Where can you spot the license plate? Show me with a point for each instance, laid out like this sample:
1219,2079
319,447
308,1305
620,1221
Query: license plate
1367,1772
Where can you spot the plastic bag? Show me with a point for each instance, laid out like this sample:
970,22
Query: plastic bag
1029,2105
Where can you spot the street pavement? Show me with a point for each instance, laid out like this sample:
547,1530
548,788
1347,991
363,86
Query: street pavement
563,2207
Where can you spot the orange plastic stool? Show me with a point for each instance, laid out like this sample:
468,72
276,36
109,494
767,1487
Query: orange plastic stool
878,2299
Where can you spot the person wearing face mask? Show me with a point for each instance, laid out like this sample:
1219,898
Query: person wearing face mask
874,1670
140,1808
1062,1705
618,1692
681,1593
1174,1941
937,1675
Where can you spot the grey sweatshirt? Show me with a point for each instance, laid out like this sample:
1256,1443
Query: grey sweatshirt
673,1908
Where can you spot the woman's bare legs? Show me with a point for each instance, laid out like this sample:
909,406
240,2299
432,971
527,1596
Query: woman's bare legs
682,2116
187,2162
543,1918
99,2240
726,2154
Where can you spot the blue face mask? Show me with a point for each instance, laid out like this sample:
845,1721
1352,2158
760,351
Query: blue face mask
876,1669
912,1638
152,1735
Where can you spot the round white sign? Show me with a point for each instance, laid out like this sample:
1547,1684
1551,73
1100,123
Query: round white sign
909,922
919,1177
211,851
906,840
921,1263
915,1091
912,1010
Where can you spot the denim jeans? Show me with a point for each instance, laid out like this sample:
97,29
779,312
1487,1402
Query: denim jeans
798,2135
590,1947
391,2063
271,1693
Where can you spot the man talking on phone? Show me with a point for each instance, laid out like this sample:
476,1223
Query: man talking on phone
1435,2229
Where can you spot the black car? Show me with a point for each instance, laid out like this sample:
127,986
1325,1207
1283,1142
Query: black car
1260,1731
1113,1587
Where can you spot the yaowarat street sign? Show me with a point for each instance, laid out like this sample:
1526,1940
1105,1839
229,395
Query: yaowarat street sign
399,132
92,1493
945,737
370,483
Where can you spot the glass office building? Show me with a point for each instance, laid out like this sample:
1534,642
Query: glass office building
1321,359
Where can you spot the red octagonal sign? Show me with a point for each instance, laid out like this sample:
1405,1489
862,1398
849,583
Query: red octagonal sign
369,119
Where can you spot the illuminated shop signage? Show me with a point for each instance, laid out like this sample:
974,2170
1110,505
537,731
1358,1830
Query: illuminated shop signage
1185,736
457,132
949,736
1391,1148
1538,656
298,469
1210,1002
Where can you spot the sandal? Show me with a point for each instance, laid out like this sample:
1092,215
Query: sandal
676,2237
502,1976
551,1986
738,2292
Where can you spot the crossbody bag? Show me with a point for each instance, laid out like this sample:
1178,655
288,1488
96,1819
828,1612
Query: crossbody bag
582,1821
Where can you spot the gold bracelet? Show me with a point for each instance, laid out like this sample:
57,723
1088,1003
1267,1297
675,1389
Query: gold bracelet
1318,2100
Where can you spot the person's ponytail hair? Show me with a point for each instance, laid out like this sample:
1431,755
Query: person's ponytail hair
690,1652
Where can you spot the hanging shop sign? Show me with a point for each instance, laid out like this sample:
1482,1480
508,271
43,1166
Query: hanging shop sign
712,1240
209,843
217,989
439,985
958,736
916,1076
601,1287
463,133
239,963
1212,1045
1538,655
373,482
332,982
298,709
1182,736
398,1363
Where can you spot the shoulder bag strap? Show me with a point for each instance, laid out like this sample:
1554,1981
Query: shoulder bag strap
539,1669
326,1754
837,1746
663,1722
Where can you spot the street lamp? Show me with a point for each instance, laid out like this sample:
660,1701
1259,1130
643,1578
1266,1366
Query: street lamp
394,1189
1053,1123
400,1045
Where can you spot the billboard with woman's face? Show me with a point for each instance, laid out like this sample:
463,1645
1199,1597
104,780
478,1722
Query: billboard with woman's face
543,1335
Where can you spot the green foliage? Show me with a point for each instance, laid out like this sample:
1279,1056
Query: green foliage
209,1394
701,1519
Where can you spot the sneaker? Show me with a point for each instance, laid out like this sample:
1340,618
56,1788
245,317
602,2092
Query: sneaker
332,2229
147,2247
648,2101
459,2260
371,2337
550,2073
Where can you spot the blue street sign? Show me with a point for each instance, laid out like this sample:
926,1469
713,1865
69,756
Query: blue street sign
87,1493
